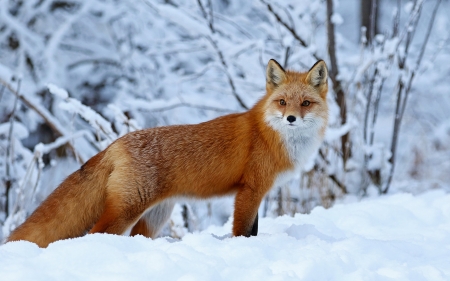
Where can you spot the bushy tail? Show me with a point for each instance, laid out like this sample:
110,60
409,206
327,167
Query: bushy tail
72,209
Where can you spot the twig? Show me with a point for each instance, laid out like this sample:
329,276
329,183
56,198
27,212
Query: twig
57,128
373,15
427,36
395,30
211,17
410,31
9,161
332,177
183,104
375,110
290,29
401,103
78,49
373,22
175,51
151,6
397,19
39,151
286,56
20,196
369,100
202,9
227,73
40,165
237,26
94,61
1,93
219,52
208,17
369,134
338,183
243,50
289,16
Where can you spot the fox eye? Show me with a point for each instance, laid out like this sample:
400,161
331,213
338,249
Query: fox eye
282,102
306,103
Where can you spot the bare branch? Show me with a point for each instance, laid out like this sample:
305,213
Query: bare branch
207,16
410,31
402,99
375,110
397,19
369,100
235,25
289,16
1,92
290,29
227,73
427,36
94,61
333,177
219,52
202,9
341,186
373,20
57,128
9,158
175,51
286,56
211,17
183,104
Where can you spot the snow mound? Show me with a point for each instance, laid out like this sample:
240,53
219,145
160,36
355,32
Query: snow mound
396,237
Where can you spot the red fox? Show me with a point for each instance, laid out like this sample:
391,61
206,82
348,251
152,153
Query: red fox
131,183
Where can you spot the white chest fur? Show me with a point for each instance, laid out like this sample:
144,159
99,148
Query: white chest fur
300,143
300,148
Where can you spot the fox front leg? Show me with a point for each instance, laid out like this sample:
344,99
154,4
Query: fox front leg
246,212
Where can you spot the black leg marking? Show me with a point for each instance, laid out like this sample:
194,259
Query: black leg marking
255,227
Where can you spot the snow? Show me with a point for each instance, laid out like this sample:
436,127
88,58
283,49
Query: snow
20,131
41,148
395,237
75,106
130,65
337,19
57,91
409,7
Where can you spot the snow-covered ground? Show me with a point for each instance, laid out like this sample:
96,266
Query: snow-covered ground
394,237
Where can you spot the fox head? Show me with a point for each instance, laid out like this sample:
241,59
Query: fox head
296,100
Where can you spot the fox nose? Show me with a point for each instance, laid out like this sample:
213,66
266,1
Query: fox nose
291,118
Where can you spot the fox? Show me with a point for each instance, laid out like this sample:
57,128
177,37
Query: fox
134,183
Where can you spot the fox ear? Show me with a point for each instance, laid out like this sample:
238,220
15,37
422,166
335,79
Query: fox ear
275,74
318,75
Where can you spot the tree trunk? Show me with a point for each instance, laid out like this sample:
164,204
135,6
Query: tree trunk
369,17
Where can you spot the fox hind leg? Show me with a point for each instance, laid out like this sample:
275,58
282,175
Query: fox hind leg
153,220
117,217
125,203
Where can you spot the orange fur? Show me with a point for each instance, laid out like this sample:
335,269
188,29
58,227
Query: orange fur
238,154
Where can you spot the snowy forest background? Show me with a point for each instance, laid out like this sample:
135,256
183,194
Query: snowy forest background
77,74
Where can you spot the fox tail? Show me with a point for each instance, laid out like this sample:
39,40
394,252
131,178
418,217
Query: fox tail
72,209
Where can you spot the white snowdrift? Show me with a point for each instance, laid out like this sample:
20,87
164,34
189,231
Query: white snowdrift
396,237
